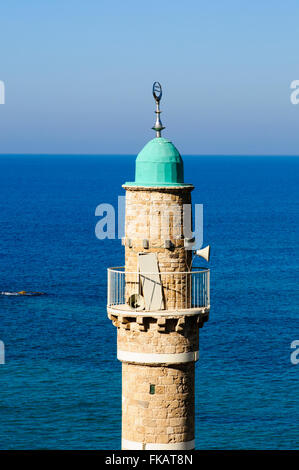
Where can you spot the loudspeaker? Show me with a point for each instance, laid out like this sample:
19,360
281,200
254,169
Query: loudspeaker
204,253
136,301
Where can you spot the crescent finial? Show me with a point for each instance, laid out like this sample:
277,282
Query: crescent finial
157,94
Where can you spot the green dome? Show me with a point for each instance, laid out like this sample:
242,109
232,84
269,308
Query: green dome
159,164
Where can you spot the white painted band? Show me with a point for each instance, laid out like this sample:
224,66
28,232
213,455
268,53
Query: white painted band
149,358
132,445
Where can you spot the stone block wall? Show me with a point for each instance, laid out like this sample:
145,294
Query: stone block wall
164,416
156,215
158,352
158,399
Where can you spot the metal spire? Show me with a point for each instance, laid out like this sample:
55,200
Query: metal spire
157,94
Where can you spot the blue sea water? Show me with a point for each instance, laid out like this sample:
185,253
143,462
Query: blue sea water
60,387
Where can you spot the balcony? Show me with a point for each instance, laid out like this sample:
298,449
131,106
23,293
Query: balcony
158,293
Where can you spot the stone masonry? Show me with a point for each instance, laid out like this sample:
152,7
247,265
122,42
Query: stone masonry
158,349
156,214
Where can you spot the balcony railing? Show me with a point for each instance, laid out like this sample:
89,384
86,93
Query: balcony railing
158,291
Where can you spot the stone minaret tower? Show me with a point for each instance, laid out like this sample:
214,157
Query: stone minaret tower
158,302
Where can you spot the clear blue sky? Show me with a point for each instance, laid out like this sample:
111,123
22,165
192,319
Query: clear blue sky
78,75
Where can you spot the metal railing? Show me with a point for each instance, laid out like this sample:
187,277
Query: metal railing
158,291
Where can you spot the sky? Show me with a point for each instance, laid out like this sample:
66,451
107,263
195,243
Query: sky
78,75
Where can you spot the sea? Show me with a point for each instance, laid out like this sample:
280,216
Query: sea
60,386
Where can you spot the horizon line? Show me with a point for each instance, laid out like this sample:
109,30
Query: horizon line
135,154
